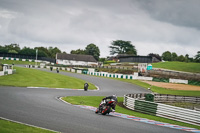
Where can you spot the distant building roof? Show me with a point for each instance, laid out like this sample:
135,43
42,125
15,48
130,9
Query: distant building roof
125,55
132,58
76,57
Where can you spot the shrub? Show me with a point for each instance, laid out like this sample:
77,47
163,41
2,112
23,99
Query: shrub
161,80
194,82
108,62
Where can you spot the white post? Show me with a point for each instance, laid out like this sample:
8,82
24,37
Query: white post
36,56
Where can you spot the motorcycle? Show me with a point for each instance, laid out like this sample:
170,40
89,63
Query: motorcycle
105,107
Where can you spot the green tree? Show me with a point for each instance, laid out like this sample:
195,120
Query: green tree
122,47
54,51
186,58
174,56
167,56
78,51
3,50
13,47
92,49
197,57
27,51
181,58
102,59
12,51
32,52
43,52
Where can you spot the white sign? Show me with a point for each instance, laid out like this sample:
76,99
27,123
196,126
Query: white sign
142,67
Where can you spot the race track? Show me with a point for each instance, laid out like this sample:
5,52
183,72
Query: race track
41,107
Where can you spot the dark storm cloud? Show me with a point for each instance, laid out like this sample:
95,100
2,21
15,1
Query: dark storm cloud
152,26
177,12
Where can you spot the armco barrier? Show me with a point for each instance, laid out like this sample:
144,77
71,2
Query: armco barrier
162,110
165,98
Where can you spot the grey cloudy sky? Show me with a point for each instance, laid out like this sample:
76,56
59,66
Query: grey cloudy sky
153,26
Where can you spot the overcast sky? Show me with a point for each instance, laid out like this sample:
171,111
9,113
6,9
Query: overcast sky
153,26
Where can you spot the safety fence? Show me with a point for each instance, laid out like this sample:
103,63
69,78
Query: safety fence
103,74
25,57
163,110
42,59
117,75
165,98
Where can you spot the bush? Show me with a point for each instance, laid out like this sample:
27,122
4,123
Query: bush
194,82
109,61
161,80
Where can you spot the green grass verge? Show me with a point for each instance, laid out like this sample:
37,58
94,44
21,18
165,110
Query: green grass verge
95,100
17,62
12,127
31,77
161,90
179,66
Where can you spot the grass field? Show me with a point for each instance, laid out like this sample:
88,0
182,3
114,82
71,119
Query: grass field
17,62
179,66
95,100
31,77
161,90
12,127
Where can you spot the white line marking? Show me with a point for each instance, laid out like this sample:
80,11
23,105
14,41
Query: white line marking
30,87
28,124
60,98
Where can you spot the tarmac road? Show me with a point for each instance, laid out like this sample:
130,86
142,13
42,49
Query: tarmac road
41,107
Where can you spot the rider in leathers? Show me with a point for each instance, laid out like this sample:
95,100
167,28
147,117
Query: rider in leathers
113,97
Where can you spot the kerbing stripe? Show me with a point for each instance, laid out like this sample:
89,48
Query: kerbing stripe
144,120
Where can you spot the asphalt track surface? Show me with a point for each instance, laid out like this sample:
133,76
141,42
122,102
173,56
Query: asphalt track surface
41,107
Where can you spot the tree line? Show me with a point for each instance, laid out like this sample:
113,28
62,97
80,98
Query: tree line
117,47
172,56
42,51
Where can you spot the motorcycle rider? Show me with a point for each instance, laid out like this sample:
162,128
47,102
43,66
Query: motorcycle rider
113,97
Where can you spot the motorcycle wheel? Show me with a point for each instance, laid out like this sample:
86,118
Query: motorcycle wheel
106,110
97,111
